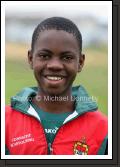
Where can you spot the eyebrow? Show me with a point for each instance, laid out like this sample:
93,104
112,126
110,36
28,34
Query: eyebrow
67,52
49,51
46,50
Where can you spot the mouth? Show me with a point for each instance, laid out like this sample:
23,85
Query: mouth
54,80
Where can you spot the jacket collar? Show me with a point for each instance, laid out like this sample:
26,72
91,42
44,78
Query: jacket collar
83,102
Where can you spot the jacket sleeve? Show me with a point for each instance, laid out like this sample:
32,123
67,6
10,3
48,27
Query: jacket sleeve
6,151
106,150
104,147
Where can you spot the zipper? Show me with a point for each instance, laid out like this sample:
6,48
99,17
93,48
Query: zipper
50,152
50,148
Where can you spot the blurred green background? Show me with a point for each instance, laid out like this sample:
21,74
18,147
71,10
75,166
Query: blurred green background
94,76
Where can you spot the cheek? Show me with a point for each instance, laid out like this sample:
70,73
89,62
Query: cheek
37,69
37,65
73,68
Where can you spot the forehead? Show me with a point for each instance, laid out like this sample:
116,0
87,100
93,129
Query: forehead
52,39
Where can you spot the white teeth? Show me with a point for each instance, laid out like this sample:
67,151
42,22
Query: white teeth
54,78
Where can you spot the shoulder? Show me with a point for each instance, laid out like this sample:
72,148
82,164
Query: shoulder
99,120
8,110
8,113
94,118
97,115
12,114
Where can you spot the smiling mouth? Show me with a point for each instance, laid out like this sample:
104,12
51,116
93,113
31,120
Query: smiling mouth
54,78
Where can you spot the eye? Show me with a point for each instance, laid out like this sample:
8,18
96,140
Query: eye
67,57
44,56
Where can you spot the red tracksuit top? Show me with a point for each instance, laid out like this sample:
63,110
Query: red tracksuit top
83,132
82,135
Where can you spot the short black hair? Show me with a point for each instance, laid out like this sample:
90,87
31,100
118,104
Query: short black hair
57,23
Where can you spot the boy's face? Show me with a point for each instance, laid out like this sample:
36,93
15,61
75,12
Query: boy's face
56,59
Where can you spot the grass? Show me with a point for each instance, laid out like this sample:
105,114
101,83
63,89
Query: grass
93,77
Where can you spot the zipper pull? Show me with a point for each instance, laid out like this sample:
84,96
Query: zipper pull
50,148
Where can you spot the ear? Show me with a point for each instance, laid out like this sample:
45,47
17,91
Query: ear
81,62
30,59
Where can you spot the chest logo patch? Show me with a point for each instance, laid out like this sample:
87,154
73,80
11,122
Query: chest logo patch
20,140
81,148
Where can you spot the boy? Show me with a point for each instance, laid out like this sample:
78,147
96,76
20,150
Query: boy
52,118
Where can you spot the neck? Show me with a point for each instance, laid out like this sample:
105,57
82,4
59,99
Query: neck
54,103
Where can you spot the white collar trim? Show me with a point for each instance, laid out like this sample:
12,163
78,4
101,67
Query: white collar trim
71,116
32,112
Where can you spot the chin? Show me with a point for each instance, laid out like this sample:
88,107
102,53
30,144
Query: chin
54,92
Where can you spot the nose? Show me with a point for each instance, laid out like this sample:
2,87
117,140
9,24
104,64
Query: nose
54,64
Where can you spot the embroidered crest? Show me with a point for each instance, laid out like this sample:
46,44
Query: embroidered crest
81,148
